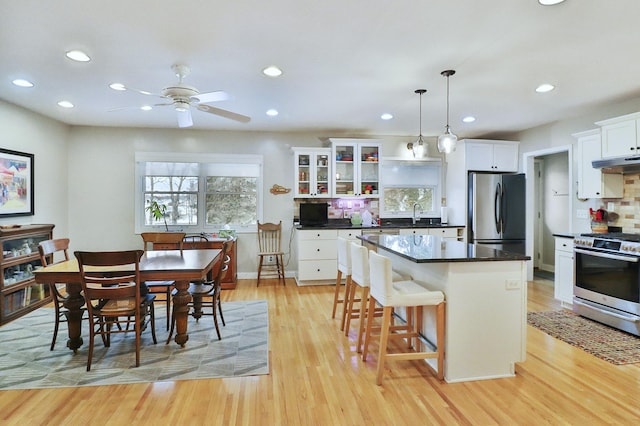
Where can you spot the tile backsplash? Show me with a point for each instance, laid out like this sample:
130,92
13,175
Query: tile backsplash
628,208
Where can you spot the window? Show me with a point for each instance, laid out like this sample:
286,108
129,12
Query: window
200,192
406,183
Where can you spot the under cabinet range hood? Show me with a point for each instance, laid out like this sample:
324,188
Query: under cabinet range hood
622,165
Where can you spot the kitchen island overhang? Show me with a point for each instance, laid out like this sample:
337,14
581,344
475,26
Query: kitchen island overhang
486,293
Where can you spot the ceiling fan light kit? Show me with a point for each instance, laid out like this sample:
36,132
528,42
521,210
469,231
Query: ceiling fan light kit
447,141
183,96
418,148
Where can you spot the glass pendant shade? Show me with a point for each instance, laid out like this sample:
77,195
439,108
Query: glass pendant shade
447,141
418,148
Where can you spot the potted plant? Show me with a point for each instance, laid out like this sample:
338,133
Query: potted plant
158,211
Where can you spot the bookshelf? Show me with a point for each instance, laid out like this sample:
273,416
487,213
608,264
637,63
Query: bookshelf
19,293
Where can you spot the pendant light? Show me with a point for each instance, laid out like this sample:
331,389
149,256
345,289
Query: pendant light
447,141
418,148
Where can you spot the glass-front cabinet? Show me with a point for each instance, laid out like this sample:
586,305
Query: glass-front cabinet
19,293
313,170
357,167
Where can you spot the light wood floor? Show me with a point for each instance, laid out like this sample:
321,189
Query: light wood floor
317,379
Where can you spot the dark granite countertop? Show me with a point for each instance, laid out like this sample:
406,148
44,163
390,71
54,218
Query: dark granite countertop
565,235
432,249
384,224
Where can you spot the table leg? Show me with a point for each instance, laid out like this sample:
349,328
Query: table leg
74,303
181,310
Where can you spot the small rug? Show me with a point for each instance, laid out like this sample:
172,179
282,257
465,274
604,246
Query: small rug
607,343
27,363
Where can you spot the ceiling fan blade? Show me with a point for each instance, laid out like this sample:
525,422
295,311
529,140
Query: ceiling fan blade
143,92
184,118
224,113
216,96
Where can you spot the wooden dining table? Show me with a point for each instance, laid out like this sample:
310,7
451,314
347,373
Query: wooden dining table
157,265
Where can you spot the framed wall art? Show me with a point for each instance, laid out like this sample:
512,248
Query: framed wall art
16,183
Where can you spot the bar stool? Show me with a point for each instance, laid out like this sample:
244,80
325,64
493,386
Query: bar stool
359,280
344,267
408,294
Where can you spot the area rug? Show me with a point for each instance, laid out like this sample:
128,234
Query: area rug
609,344
27,363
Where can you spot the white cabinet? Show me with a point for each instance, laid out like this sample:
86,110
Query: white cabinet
620,136
563,283
356,171
592,183
493,156
451,233
317,256
312,172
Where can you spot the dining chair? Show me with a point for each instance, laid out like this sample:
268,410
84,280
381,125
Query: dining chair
113,296
49,249
413,296
203,290
269,250
164,241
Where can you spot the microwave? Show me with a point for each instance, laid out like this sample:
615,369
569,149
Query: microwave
314,214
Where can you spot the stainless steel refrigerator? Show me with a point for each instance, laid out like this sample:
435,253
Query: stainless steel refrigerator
496,210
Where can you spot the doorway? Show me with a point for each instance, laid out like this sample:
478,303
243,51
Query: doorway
549,207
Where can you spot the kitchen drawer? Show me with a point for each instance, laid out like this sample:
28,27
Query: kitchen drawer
349,234
322,234
321,249
564,244
444,232
317,270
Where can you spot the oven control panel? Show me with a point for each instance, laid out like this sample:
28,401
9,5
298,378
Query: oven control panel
630,248
610,245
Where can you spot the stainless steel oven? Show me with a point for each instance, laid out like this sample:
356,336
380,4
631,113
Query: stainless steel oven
607,279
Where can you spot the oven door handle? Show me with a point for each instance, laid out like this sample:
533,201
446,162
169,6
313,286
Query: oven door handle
631,318
630,259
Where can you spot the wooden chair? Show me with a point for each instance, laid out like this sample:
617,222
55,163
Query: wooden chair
208,289
170,240
113,296
48,249
269,237
411,295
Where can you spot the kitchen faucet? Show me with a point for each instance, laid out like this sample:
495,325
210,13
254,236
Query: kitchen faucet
415,218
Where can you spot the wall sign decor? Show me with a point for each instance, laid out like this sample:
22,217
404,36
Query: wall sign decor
279,189
16,183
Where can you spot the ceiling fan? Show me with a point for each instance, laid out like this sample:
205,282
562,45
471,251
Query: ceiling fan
182,97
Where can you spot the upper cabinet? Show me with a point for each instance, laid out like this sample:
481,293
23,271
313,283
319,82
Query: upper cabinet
313,172
591,182
491,156
620,136
357,168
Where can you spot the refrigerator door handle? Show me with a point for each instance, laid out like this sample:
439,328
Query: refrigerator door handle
497,201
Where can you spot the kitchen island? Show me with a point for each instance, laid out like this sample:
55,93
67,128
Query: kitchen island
486,294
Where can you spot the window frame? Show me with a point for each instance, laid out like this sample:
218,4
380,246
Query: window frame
141,158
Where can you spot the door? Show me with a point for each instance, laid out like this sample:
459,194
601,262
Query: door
484,191
513,207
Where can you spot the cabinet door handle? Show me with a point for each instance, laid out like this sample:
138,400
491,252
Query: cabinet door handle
317,250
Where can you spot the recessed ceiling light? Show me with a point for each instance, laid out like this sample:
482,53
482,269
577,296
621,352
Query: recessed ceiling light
272,71
22,82
469,119
386,116
549,2
78,55
65,104
545,87
117,86
146,108
272,112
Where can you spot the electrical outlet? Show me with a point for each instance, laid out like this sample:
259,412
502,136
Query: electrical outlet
270,259
582,214
512,284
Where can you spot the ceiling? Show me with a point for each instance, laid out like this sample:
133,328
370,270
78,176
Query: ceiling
345,62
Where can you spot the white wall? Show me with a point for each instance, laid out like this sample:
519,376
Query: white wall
46,139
